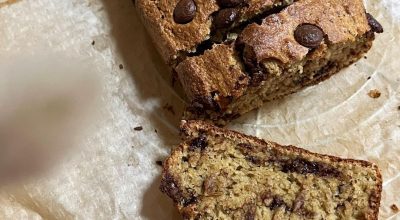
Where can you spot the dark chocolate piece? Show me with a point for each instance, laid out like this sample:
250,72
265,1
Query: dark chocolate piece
374,24
225,18
185,11
309,35
229,3
199,143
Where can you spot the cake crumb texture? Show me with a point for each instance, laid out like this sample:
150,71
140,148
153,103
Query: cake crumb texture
221,174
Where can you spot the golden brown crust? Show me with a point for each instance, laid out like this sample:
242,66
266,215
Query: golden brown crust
191,129
341,20
172,38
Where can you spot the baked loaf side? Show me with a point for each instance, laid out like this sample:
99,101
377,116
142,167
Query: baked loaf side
178,27
304,44
221,174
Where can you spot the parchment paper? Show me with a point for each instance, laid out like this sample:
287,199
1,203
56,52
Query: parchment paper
115,176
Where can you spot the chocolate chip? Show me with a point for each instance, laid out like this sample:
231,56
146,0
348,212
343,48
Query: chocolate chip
184,11
374,24
170,186
200,142
185,159
309,35
188,201
225,18
303,166
276,203
229,3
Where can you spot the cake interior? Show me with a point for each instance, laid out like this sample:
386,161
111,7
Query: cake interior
217,176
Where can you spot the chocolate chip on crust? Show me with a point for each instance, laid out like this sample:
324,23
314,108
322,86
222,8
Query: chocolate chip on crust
185,11
225,18
374,24
309,35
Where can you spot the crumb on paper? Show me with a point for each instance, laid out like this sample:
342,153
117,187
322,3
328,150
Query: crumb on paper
365,57
398,107
374,94
133,161
394,208
155,130
159,162
368,78
93,43
169,108
139,128
121,66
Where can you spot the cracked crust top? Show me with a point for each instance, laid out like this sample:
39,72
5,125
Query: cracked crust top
211,78
341,21
172,38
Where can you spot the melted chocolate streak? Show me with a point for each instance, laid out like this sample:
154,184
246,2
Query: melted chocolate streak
295,165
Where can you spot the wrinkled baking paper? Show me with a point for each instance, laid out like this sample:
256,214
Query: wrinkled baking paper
115,176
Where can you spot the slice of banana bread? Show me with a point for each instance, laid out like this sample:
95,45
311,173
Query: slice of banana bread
222,174
304,44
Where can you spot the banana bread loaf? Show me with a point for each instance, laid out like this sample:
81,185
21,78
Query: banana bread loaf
231,56
221,174
307,42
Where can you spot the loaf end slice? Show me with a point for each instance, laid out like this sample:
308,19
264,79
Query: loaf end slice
304,44
221,174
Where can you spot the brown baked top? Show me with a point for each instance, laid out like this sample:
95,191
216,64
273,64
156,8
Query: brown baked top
281,42
175,31
340,20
